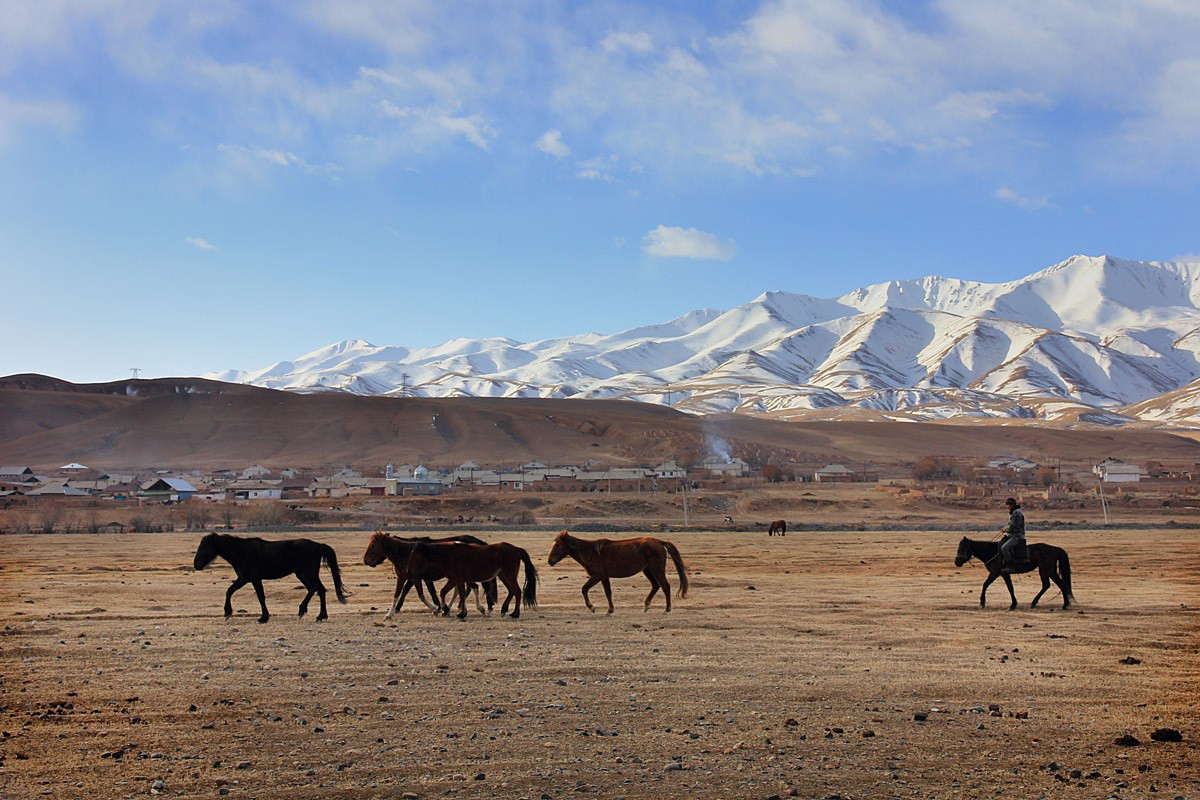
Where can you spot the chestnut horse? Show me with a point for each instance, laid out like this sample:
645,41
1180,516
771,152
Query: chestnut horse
621,558
467,564
778,526
397,550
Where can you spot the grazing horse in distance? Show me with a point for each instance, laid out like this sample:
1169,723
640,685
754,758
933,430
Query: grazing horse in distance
256,560
1051,563
397,549
778,526
466,564
621,558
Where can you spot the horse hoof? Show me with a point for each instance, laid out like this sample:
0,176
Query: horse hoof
515,615
261,620
322,619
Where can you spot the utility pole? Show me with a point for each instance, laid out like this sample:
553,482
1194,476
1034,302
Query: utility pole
1103,501
685,500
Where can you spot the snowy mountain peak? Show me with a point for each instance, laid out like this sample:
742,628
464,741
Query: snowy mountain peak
1091,330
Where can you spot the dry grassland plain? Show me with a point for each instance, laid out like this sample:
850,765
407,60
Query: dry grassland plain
795,667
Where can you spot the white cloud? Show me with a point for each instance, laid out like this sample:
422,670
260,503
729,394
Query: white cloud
670,242
599,168
634,42
1030,203
551,142
200,243
1188,258
19,115
279,158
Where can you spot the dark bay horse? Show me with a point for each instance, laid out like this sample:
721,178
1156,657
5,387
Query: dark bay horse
621,558
397,549
257,560
778,526
1051,563
466,564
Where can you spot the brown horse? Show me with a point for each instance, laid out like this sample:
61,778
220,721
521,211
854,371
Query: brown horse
621,558
778,526
466,564
397,550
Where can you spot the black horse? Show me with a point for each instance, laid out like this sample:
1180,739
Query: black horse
1051,563
256,560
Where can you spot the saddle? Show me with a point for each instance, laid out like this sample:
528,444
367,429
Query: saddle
1012,568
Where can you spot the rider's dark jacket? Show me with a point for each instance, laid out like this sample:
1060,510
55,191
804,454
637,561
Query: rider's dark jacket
1012,546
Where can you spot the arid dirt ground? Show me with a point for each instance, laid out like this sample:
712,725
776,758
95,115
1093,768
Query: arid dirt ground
794,667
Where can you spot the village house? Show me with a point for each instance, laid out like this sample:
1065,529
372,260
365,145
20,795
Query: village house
167,489
733,468
254,490
1112,470
328,487
17,474
255,471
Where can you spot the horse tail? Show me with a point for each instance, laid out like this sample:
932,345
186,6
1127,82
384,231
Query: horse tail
331,560
530,592
1064,569
678,559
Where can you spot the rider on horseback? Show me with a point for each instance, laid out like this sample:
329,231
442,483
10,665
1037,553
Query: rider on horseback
1013,552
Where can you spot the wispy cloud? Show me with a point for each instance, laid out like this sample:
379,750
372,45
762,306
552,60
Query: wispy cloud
1028,202
200,243
551,142
634,42
277,158
671,242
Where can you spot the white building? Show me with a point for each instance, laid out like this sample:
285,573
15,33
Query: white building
1111,470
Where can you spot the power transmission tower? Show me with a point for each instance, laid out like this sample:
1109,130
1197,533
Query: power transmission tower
135,372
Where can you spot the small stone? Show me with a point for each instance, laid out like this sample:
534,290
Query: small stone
410,796
1130,660
242,765
224,790
1076,774
791,722
751,588
1167,735
867,734
158,786
1128,740
673,766
920,716
1052,767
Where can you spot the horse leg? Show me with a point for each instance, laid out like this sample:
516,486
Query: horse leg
478,603
653,587
462,600
444,609
262,600
1059,583
308,579
986,583
397,597
514,590
608,593
587,600
238,583
1011,593
324,615
1045,576
665,584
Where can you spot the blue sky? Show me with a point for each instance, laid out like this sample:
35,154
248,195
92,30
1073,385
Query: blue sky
200,186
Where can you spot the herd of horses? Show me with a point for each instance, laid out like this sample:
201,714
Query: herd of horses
469,565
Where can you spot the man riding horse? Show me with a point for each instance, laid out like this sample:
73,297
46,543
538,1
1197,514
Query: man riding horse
1013,553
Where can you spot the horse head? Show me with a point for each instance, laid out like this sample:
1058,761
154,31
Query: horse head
206,552
964,552
375,550
559,551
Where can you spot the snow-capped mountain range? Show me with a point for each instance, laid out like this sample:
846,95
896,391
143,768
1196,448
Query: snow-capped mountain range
1082,339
